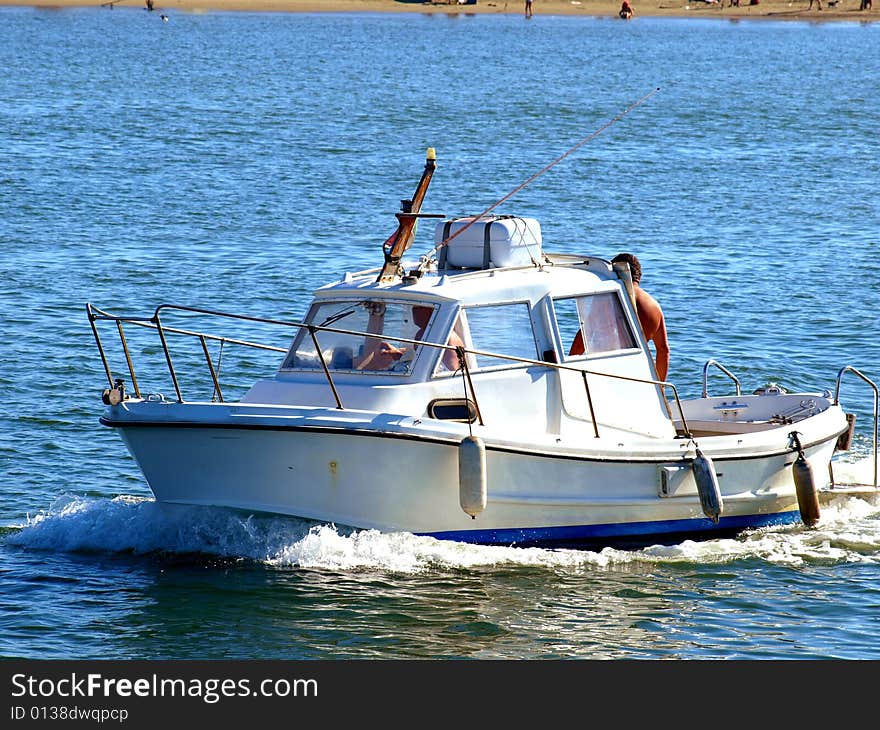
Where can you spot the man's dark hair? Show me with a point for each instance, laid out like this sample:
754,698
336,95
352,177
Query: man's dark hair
634,266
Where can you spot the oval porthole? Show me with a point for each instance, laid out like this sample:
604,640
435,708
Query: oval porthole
452,409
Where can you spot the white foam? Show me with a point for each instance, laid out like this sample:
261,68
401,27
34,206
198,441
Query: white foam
141,526
848,531
402,551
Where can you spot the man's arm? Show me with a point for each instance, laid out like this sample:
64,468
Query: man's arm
662,346
654,329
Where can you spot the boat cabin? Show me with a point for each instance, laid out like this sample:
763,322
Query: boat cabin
548,340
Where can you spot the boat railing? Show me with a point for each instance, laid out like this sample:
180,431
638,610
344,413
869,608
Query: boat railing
155,322
715,363
850,369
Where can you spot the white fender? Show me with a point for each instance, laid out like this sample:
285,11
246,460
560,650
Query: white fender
472,475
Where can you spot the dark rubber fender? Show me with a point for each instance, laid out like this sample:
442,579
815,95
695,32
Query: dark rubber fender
805,486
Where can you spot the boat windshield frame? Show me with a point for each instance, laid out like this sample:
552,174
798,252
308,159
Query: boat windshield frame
364,335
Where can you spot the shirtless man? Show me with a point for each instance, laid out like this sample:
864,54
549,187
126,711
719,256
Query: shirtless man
650,318
650,315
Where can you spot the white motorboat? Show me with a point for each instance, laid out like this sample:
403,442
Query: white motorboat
439,397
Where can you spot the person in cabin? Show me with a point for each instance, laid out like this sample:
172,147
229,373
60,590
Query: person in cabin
421,316
626,10
650,318
386,355
450,357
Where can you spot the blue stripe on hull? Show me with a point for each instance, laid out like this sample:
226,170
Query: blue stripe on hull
634,534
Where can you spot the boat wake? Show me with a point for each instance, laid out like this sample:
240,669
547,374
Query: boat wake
848,532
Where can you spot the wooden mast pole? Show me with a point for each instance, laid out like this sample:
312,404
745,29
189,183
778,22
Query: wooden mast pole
399,241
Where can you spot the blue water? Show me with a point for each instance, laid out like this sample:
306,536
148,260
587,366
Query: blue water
238,161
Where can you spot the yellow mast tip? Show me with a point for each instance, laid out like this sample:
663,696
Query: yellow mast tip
432,155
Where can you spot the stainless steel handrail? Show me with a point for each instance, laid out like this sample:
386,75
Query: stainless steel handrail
850,369
723,370
95,314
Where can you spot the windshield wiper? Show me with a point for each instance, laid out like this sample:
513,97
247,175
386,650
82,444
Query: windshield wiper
336,317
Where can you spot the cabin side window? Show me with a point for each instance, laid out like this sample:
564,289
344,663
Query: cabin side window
593,324
504,329
368,344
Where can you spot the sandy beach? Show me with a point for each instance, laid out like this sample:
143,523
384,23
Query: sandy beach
841,10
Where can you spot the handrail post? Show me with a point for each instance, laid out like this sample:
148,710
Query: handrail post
462,359
326,369
849,368
100,346
134,382
684,425
158,323
218,394
590,404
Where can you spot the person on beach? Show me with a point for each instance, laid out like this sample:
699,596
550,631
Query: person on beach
818,2
626,11
650,318
528,8
149,4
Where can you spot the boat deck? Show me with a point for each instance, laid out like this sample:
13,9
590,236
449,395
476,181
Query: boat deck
860,491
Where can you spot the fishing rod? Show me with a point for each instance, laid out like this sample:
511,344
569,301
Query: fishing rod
611,122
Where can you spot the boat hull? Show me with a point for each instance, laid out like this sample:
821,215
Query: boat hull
397,477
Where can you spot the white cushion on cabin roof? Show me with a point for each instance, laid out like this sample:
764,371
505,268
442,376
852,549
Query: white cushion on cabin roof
513,241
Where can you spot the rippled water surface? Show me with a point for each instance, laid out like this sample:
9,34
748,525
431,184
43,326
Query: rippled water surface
238,161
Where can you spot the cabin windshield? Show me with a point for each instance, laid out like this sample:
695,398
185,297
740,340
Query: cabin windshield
386,319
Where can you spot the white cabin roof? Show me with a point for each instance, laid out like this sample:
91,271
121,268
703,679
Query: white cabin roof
557,275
